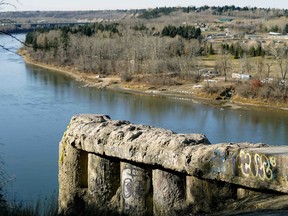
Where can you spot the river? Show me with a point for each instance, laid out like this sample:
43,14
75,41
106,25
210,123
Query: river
36,106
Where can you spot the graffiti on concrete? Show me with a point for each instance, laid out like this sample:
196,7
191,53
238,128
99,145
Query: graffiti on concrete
128,187
218,161
256,165
136,185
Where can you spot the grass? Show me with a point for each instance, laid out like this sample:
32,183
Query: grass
45,207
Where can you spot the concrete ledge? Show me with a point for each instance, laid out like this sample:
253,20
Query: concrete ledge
186,153
137,167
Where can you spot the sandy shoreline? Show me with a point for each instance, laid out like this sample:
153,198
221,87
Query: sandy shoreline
182,92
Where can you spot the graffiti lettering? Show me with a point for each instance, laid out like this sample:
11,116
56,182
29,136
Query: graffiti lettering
256,165
128,182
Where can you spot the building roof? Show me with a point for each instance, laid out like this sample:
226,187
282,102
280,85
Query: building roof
225,19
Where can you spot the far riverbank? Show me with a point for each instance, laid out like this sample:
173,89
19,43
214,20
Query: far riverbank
181,92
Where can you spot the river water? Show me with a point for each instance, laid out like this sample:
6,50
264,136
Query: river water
36,106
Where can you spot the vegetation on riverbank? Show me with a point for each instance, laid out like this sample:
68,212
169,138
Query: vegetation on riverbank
159,56
162,54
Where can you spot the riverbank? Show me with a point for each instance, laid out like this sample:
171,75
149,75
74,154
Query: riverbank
186,91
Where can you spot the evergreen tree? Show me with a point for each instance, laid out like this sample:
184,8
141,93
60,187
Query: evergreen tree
211,50
34,44
258,51
236,54
197,33
252,51
232,49
285,29
65,38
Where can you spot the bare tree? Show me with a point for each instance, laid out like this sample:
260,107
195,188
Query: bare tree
245,64
3,4
224,64
269,65
280,54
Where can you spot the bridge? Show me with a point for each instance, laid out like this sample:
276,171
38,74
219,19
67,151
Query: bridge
27,27
116,167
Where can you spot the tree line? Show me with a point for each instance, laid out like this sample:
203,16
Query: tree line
239,52
187,32
215,10
119,49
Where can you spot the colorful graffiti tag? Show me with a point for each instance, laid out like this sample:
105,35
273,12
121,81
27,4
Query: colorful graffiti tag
256,165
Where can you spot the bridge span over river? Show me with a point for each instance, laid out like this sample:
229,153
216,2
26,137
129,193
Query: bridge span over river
27,27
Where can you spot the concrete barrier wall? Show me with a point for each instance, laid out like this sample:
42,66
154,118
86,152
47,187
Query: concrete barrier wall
115,167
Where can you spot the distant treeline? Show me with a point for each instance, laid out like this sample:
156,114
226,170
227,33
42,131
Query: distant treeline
187,32
216,10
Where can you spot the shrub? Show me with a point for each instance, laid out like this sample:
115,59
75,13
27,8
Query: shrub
46,207
255,83
245,90
213,89
126,77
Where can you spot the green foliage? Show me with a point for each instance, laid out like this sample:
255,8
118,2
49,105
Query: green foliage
46,44
65,37
211,50
139,27
275,28
157,12
238,52
89,29
189,9
34,44
216,10
30,37
187,32
252,51
258,51
31,40
285,31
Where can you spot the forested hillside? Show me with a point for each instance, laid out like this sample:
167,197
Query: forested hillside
166,46
119,49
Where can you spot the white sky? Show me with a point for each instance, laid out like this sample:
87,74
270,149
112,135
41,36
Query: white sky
133,4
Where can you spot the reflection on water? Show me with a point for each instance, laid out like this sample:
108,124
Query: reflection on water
219,124
36,106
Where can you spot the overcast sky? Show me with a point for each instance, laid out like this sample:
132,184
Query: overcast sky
133,4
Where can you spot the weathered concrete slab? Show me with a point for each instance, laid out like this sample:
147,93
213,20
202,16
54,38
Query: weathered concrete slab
259,168
187,153
137,143
94,143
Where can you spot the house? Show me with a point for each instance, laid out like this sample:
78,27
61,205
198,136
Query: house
274,34
241,76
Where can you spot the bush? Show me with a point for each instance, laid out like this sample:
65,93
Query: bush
246,90
46,207
255,83
126,77
213,89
